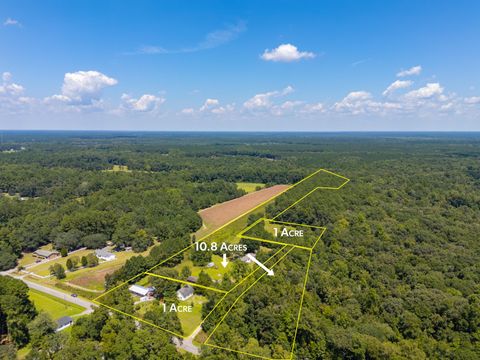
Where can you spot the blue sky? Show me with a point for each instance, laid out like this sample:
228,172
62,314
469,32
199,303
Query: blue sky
240,65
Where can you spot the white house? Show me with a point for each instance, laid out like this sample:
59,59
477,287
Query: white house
185,293
247,259
103,254
64,322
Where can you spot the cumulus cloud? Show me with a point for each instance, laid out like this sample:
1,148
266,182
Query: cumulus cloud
472,100
11,22
12,94
83,89
209,104
398,84
426,92
264,100
286,53
415,70
146,103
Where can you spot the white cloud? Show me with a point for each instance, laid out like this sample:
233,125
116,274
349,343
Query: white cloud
83,89
286,53
211,40
209,104
313,108
11,95
264,100
415,70
426,92
146,103
398,84
472,100
188,111
11,22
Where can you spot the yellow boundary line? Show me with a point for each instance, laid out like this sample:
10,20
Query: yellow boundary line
226,293
301,301
276,242
243,293
243,236
186,282
237,285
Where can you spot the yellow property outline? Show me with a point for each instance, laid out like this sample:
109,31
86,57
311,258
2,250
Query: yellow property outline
292,246
243,236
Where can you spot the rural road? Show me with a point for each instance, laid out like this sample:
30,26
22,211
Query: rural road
187,344
88,305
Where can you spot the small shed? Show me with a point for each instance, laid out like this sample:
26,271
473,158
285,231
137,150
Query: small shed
64,322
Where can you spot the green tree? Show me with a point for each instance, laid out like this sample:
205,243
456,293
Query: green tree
57,270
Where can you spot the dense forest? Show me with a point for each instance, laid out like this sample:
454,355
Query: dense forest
396,274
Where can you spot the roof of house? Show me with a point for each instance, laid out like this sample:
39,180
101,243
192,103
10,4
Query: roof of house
246,257
192,279
63,321
186,291
46,253
103,253
140,290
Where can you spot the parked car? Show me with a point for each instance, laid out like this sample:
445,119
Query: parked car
74,295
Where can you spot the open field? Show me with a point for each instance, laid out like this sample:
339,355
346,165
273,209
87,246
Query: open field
220,214
216,272
55,307
191,320
94,278
249,187
42,269
28,258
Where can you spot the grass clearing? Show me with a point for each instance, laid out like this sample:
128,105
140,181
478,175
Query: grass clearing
94,278
191,320
53,306
42,269
249,187
28,258
216,272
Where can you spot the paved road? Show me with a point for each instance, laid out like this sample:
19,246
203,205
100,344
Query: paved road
88,305
187,344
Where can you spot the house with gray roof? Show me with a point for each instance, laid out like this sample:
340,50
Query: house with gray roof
185,293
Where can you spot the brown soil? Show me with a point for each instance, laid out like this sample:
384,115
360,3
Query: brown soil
95,277
220,214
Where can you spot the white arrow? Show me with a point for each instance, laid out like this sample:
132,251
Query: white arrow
225,261
254,259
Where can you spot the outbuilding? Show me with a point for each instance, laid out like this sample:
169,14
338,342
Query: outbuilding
105,255
64,322
141,290
46,254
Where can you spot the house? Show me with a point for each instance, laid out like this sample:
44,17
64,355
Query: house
141,290
192,279
185,293
64,322
46,254
247,259
103,254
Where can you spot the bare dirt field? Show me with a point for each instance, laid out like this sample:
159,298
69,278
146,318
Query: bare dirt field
218,215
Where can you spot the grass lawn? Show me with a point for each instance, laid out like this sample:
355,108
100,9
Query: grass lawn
28,258
54,306
249,187
216,273
94,278
42,269
191,320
